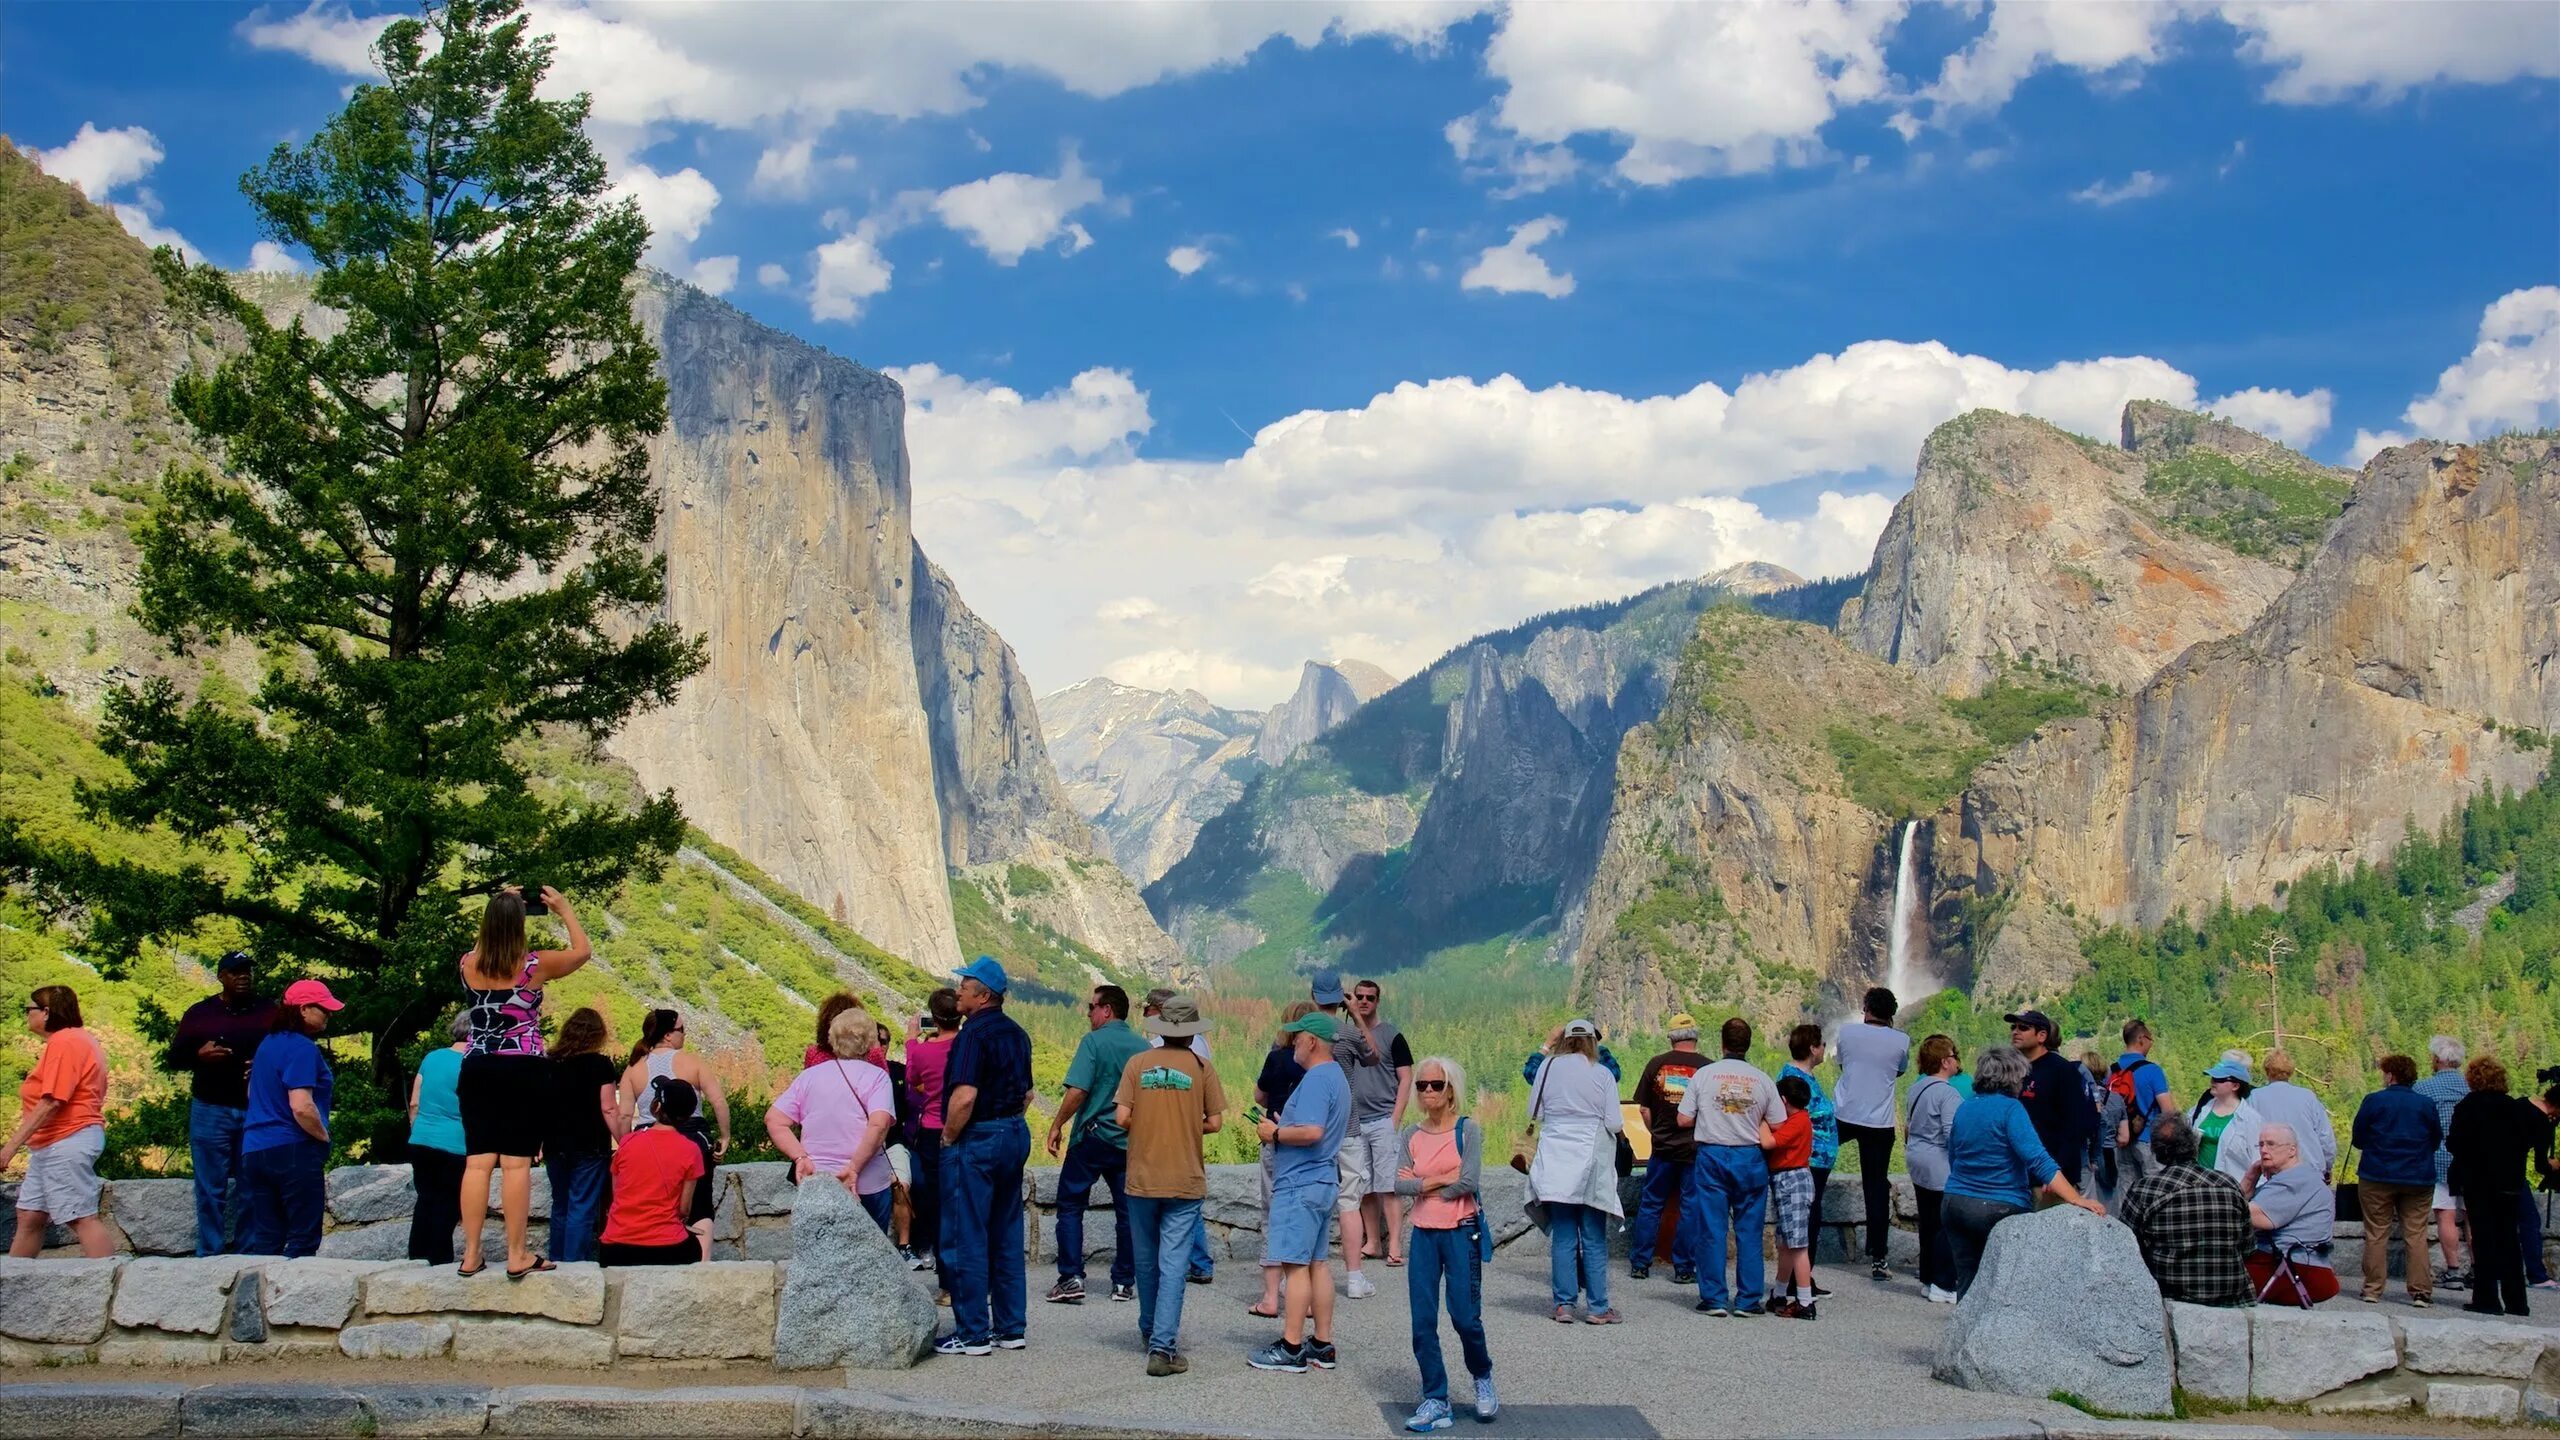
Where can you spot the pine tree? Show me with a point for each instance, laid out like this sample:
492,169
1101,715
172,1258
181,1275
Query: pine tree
433,519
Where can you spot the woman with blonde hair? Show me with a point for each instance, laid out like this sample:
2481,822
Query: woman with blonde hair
586,1120
62,1127
1441,1173
1574,1105
505,1076
843,1112
1271,1090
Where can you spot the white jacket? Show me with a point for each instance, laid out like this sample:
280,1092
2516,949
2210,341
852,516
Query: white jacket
1575,1105
2238,1151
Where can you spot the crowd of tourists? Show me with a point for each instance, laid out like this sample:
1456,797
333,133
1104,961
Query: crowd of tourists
2232,1197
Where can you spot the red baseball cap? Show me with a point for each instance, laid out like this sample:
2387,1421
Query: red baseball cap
311,992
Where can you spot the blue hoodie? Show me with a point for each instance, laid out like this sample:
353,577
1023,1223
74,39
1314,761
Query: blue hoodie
2396,1134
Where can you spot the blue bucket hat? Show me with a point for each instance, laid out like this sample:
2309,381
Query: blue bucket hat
2228,1070
1327,989
986,972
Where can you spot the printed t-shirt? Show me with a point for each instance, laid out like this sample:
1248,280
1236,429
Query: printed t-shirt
925,1059
72,1071
439,1122
1434,1154
649,1172
1322,1099
1728,1100
1170,1095
285,1062
1665,1079
1795,1142
833,1105
1101,1056
576,1124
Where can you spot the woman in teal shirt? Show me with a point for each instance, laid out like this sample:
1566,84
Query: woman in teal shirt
436,1148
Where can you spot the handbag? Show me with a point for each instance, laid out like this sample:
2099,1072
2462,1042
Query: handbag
2350,1196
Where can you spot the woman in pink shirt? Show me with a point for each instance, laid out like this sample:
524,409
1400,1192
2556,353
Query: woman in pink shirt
927,1055
843,1111
1443,1160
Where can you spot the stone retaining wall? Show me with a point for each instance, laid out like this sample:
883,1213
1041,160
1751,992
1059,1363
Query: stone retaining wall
2361,1361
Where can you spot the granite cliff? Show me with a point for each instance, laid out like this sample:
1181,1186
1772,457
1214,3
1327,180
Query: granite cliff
1327,694
1148,767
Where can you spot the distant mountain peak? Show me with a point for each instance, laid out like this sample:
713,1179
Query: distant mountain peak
1754,577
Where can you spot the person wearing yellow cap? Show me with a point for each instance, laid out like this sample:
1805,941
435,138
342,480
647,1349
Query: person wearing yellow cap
1675,1154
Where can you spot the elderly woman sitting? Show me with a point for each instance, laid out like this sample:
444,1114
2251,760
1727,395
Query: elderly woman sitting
843,1109
2293,1210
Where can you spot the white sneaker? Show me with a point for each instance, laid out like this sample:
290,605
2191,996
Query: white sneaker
1936,1296
1358,1287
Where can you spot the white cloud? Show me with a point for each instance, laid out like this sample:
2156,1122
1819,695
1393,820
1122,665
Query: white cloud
1435,510
849,270
1349,237
1012,214
2297,420
269,258
2140,185
141,220
2324,55
772,276
1515,268
1524,167
2509,381
1186,260
717,275
2022,39
1690,90
100,162
677,208
784,170
326,34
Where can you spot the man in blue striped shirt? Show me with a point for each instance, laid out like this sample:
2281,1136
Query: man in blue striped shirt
985,1144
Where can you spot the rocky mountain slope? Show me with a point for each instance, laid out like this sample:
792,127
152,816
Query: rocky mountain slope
1148,767
1464,803
1328,692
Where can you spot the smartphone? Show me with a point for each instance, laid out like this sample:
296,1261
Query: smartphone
534,904
1253,1114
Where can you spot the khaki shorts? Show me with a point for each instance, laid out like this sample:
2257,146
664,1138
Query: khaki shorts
62,1178
1367,1163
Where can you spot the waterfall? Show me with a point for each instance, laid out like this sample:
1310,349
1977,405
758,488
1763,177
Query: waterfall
1908,971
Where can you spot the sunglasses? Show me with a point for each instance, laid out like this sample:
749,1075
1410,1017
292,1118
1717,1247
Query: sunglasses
1430,1084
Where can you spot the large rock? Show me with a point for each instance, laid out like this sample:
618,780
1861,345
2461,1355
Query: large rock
61,1302
847,1298
83,1410
2470,1347
723,1310
536,1342
396,1340
765,1186
248,1320
1235,1196
190,1296
2062,1303
382,1240
362,1194
1148,767
319,1292
158,1217
2213,1351
2447,1400
2297,1354
574,1293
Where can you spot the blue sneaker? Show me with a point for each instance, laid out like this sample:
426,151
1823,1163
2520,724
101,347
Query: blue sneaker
1486,1406
954,1345
1428,1416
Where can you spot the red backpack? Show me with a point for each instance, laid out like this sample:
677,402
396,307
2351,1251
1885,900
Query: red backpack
2121,1082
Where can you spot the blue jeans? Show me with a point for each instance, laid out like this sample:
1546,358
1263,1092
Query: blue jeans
1453,1257
2529,1234
1666,1182
282,1186
1164,1231
1089,1160
1201,1264
1729,1190
1578,1253
982,1228
213,1141
882,1206
581,1191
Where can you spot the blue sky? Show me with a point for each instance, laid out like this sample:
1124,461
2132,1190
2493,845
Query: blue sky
1737,261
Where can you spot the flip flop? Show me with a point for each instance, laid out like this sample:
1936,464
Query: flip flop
540,1262
474,1270
1395,1262
1261,1314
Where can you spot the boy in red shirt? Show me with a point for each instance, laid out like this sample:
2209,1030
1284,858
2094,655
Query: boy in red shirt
1790,1147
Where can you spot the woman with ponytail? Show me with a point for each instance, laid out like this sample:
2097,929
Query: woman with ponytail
661,1055
505,1084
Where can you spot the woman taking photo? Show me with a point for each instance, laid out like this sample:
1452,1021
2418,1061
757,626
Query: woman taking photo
577,1143
1574,1105
506,1078
658,1175
284,1142
1993,1161
1441,1174
62,1127
843,1112
661,1055
1930,1117
436,1147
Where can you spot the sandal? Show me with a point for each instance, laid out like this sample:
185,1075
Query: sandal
540,1262
1395,1262
474,1270
1259,1313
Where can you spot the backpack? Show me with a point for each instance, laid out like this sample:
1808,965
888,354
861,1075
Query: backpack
2121,1082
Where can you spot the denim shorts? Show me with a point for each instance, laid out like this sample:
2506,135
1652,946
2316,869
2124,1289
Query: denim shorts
1294,1232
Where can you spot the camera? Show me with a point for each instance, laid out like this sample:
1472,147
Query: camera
531,891
2548,1074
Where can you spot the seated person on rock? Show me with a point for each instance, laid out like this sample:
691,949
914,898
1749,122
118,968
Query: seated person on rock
655,1175
2192,1222
2293,1210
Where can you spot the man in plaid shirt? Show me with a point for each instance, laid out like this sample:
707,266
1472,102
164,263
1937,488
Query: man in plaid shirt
2193,1223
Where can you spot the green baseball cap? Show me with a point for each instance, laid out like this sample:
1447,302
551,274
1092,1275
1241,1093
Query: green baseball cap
1314,1022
